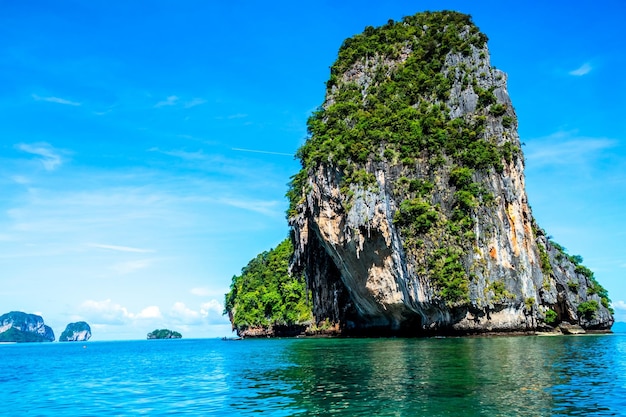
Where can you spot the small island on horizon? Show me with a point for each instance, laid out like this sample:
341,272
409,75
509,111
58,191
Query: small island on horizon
164,334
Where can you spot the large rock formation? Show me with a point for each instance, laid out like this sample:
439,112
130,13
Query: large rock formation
76,332
17,326
410,214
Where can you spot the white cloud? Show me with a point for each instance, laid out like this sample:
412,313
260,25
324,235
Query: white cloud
120,248
57,100
50,157
105,312
181,313
152,312
584,69
212,306
170,101
210,312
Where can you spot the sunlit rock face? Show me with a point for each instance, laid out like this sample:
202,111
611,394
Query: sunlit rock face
439,236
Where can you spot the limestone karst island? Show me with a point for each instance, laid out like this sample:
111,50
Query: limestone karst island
20,327
409,215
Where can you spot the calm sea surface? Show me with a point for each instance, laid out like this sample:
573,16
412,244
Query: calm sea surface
502,376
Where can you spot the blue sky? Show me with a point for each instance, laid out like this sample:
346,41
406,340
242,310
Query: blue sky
129,192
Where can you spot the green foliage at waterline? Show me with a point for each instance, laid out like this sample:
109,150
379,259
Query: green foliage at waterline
265,294
15,335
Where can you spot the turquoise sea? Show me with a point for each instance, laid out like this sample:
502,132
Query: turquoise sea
497,376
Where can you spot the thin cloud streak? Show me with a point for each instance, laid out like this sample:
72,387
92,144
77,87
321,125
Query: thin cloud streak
563,148
194,102
124,268
584,69
169,101
120,248
267,208
192,156
57,100
259,151
50,158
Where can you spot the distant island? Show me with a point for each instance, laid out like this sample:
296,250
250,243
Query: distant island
164,334
76,332
20,327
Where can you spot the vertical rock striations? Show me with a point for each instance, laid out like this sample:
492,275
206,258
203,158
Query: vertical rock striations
410,215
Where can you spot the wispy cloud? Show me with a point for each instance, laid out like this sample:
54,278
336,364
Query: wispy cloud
212,306
170,101
20,179
131,266
108,312
184,314
259,151
209,313
201,291
619,305
191,156
105,312
584,69
50,158
57,100
232,116
177,101
566,148
268,208
194,102
120,248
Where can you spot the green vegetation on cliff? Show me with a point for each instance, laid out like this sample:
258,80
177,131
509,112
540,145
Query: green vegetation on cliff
265,294
15,335
396,111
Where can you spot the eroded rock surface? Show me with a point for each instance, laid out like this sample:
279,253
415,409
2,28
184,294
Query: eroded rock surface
432,241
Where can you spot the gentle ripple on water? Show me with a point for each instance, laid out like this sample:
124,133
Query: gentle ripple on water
502,376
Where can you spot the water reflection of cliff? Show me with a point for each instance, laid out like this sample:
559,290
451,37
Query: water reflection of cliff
470,377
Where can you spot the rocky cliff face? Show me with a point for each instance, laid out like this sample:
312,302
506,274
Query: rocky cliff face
410,214
76,332
17,326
